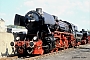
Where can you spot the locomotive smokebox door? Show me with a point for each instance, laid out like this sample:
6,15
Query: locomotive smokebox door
19,20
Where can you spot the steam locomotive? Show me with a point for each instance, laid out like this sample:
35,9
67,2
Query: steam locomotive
46,33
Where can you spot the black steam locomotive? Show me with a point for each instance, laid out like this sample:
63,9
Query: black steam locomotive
46,33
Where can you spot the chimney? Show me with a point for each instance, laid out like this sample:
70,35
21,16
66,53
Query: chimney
39,10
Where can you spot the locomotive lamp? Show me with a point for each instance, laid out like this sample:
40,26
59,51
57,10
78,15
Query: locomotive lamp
35,38
17,38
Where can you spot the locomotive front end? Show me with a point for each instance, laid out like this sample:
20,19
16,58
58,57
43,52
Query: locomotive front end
26,47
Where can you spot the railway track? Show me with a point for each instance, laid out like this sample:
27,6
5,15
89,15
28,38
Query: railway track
41,56
36,57
50,54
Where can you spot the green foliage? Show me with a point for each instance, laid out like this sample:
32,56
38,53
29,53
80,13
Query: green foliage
14,26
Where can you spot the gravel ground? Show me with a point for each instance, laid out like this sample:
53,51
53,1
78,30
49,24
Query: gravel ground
82,53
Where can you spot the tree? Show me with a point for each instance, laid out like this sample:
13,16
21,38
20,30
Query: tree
14,26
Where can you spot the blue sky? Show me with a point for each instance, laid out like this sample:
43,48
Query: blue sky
74,11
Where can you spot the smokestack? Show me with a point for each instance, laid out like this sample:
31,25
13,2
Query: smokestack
39,10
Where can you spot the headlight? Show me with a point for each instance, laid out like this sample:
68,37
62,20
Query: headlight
35,38
31,44
12,43
17,38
